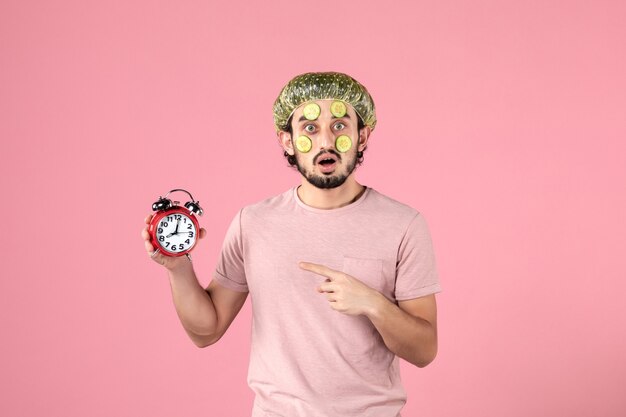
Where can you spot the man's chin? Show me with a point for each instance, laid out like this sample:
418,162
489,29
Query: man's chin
326,182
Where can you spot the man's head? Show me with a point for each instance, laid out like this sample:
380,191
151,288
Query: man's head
324,114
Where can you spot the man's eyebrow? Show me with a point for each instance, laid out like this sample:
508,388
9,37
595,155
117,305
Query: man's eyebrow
347,116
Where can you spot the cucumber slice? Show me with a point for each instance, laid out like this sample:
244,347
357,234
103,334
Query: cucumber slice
338,108
303,143
311,111
343,143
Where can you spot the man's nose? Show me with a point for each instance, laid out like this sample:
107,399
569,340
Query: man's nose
326,139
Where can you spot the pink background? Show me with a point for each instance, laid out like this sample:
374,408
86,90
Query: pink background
503,122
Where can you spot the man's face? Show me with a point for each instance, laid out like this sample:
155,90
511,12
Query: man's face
323,132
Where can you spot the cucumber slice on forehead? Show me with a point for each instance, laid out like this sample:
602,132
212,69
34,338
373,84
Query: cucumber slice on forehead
311,111
338,108
303,143
343,143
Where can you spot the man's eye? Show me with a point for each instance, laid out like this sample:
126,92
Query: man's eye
341,125
309,126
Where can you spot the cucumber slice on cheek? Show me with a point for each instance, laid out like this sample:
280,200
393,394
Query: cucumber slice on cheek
343,143
303,143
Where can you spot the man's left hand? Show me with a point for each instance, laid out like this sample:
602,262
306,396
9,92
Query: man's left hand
345,293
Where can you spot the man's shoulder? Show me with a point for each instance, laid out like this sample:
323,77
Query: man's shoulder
385,204
270,204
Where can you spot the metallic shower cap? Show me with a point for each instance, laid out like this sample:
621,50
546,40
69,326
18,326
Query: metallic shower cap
322,86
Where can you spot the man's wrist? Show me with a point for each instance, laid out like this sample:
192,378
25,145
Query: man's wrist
182,267
377,305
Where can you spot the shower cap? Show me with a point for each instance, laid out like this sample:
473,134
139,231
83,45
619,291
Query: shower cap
322,86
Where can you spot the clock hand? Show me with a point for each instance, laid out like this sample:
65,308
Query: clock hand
175,232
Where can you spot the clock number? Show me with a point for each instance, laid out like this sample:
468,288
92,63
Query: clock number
180,247
164,224
185,220
167,244
177,216
189,227
160,230
161,238
187,241
190,234
169,218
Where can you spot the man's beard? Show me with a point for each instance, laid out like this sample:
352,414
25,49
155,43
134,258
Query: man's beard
331,180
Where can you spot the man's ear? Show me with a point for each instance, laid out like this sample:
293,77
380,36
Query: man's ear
364,135
284,139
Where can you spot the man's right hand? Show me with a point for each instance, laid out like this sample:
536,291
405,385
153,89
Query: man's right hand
169,262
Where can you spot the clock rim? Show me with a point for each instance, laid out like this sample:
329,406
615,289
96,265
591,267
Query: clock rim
157,218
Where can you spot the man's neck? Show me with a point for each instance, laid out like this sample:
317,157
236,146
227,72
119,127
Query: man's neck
330,198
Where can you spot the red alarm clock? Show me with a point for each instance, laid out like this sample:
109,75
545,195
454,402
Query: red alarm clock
174,229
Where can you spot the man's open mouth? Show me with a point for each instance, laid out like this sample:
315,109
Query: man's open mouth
327,163
327,159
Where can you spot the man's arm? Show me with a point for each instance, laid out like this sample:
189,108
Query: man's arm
409,329
227,305
204,314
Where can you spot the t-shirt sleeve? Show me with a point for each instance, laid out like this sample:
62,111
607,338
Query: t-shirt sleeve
230,271
416,269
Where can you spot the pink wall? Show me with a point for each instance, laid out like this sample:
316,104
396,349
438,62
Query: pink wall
503,122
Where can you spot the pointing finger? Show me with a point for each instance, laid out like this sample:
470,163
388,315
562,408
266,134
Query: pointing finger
319,269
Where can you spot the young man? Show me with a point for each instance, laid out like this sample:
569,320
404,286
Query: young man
342,278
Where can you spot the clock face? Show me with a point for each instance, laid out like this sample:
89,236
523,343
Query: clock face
176,232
